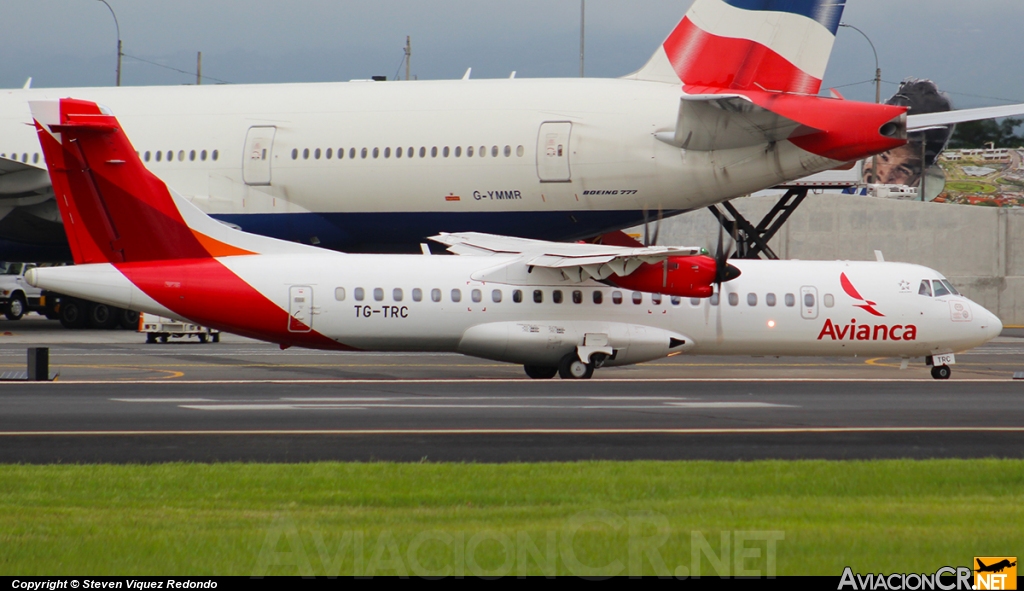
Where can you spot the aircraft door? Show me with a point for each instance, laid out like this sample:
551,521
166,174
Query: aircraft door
809,303
259,150
300,309
553,152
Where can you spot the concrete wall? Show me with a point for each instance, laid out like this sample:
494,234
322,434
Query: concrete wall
980,249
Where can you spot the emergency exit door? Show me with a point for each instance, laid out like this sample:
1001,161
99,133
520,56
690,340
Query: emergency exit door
553,164
259,151
809,303
300,310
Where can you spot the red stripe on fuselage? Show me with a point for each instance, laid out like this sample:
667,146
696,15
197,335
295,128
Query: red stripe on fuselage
703,59
208,293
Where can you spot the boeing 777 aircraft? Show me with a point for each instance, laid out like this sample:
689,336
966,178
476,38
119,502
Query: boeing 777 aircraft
555,308
725,107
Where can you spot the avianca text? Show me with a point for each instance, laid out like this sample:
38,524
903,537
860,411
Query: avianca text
865,332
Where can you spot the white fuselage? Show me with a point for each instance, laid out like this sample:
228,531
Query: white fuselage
551,159
776,308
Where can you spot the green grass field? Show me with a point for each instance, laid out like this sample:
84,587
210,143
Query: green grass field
970,187
442,519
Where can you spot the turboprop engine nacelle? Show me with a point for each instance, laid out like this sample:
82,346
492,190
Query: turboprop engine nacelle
685,277
546,343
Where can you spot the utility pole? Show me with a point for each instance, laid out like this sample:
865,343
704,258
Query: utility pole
408,57
199,69
583,37
120,51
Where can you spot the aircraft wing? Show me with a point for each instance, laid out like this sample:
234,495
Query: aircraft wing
930,120
18,179
724,121
577,262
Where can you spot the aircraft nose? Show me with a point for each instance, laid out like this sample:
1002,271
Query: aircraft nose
991,325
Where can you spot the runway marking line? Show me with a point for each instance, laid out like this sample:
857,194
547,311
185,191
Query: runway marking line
428,432
343,382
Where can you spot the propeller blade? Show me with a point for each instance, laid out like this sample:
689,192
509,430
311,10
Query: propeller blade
657,227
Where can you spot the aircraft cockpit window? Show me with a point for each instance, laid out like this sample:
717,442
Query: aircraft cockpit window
925,289
830,301
599,297
949,286
790,300
435,295
617,297
517,296
360,294
752,299
940,289
638,298
496,296
770,300
477,296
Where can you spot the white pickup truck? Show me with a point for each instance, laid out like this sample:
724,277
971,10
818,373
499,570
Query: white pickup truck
18,298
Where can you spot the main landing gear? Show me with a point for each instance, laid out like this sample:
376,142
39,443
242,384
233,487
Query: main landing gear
569,368
941,372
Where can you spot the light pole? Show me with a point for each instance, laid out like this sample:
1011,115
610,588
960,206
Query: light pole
119,52
878,69
583,35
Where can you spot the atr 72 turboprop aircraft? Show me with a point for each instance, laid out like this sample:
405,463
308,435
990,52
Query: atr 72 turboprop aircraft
725,107
138,245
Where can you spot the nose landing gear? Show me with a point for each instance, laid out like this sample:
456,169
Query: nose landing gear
941,372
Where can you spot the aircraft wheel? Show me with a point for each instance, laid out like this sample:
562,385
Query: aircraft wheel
72,313
202,339
216,337
15,308
941,372
540,373
102,316
128,320
572,368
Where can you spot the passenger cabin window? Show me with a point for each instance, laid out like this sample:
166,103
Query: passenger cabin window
751,299
790,300
557,296
809,300
676,300
734,299
714,300
456,295
577,297
598,297
378,294
339,294
638,298
477,295
417,295
360,294
656,299
496,296
517,296
940,289
616,297
925,289
538,297
830,301
694,302
769,300
435,295
398,295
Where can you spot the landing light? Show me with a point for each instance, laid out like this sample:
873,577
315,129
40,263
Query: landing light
771,324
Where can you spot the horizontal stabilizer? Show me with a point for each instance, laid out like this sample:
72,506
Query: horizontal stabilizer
727,121
930,120
577,262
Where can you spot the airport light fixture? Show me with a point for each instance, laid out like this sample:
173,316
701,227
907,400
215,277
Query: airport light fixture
119,52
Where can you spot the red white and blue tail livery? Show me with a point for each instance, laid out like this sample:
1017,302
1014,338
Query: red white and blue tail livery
555,308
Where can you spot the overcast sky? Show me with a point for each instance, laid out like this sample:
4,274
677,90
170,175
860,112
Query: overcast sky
969,48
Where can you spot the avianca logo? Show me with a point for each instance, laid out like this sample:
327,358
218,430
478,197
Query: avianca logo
851,291
865,332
